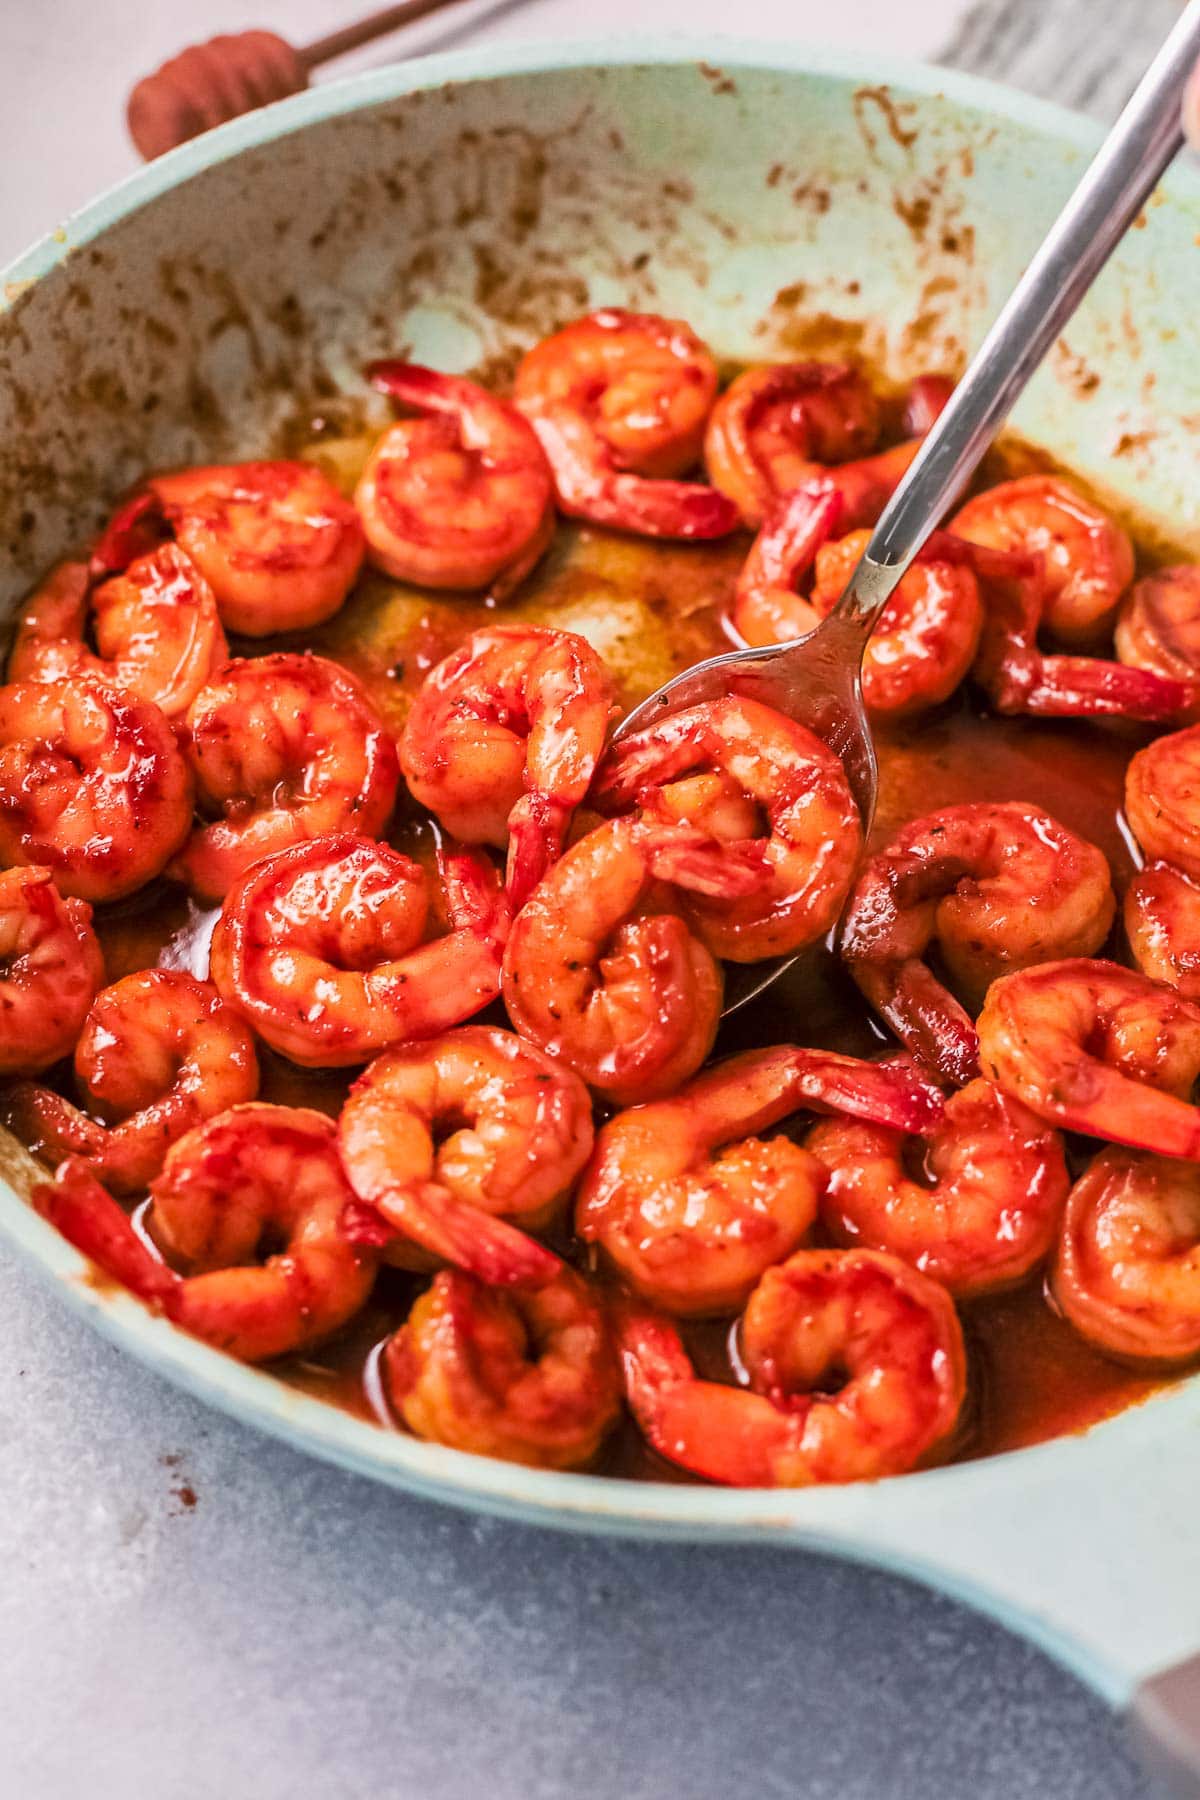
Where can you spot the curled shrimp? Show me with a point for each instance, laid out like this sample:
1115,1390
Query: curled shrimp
322,947
1099,1049
1162,923
1087,559
775,425
529,1377
1127,1274
92,785
997,887
692,1206
983,1207
601,972
1158,626
450,1140
156,629
284,748
503,739
803,825
619,402
888,1334
50,968
158,1053
252,1176
1162,798
276,542
461,497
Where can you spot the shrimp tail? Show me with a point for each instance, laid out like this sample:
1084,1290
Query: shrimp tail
893,1094
1091,688
927,399
88,1217
487,1247
473,893
689,858
137,527
795,529
654,508
537,827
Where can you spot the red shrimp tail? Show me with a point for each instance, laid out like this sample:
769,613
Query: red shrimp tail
362,1225
895,1094
926,402
137,527
689,858
794,530
1086,687
653,1358
537,829
412,384
473,894
479,1243
88,1217
688,510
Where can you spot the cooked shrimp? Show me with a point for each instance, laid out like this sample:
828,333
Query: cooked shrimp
1087,559
865,485
531,1377
774,426
997,886
275,541
92,785
448,1139
323,948
601,973
1127,1274
158,1053
619,402
50,968
884,1335
461,497
1158,626
284,748
502,742
1095,1048
156,629
691,1206
252,1176
1162,923
1162,798
985,1208
810,830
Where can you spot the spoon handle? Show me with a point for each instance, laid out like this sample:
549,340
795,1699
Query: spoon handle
1106,202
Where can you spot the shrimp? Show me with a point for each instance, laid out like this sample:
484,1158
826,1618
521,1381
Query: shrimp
284,748
1162,923
1158,626
692,1207
984,1209
1127,1274
252,1176
503,739
882,1336
600,973
865,485
322,948
775,425
461,497
790,779
1162,799
997,886
1087,559
158,1053
50,969
156,629
529,1377
276,542
1095,1048
448,1140
619,402
92,786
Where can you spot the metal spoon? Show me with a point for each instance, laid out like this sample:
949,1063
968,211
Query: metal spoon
818,679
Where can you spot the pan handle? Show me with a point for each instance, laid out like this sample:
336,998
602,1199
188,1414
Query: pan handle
1163,1717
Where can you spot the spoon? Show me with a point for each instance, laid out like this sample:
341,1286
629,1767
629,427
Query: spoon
817,679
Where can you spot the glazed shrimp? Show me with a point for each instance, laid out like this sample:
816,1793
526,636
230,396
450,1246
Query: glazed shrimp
997,887
861,1315
1158,626
691,1206
529,1377
252,1176
1162,923
449,1139
92,786
503,739
619,402
461,497
284,748
1127,1274
602,974
1162,798
323,948
156,629
985,1209
158,1053
774,426
1099,1049
808,839
50,969
1087,559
